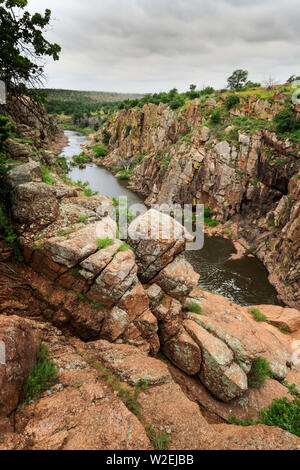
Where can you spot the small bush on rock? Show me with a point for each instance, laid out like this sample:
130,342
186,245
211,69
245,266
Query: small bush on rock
283,413
41,377
258,374
195,308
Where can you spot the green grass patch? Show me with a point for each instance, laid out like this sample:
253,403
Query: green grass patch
195,308
104,242
123,247
67,231
82,218
41,376
47,176
259,372
257,315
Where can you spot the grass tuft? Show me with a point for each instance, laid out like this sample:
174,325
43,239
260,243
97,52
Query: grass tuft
258,374
195,308
104,243
257,315
41,376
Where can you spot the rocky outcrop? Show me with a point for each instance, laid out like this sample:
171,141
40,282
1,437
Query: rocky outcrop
35,131
118,306
81,411
19,341
244,174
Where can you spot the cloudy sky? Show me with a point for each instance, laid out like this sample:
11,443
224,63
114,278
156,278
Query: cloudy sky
155,45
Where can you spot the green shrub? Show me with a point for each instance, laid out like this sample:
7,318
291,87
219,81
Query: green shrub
100,150
47,176
207,91
195,308
106,136
104,243
284,414
258,374
258,316
41,377
159,439
10,237
216,116
127,132
231,101
211,222
286,122
81,159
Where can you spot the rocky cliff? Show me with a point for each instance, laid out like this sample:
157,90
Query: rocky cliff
36,135
227,157
120,324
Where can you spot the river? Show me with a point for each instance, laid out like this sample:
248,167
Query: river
243,281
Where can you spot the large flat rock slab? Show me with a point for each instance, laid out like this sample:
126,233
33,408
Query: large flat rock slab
130,363
70,249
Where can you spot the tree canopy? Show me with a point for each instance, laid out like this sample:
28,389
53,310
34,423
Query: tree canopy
238,79
23,47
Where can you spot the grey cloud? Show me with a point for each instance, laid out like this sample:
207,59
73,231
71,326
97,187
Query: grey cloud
151,45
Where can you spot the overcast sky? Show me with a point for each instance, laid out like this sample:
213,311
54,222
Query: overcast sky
155,45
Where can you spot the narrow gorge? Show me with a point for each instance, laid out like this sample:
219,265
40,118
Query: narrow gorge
146,355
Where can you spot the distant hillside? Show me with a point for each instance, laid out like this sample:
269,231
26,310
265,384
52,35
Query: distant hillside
88,96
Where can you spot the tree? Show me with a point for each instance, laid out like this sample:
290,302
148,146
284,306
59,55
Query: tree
193,87
237,79
293,78
23,47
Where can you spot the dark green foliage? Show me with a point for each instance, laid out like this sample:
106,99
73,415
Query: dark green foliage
23,47
258,374
10,238
211,222
106,136
100,150
231,101
195,308
5,131
81,159
283,413
41,377
237,79
128,130
286,121
216,116
293,78
207,91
